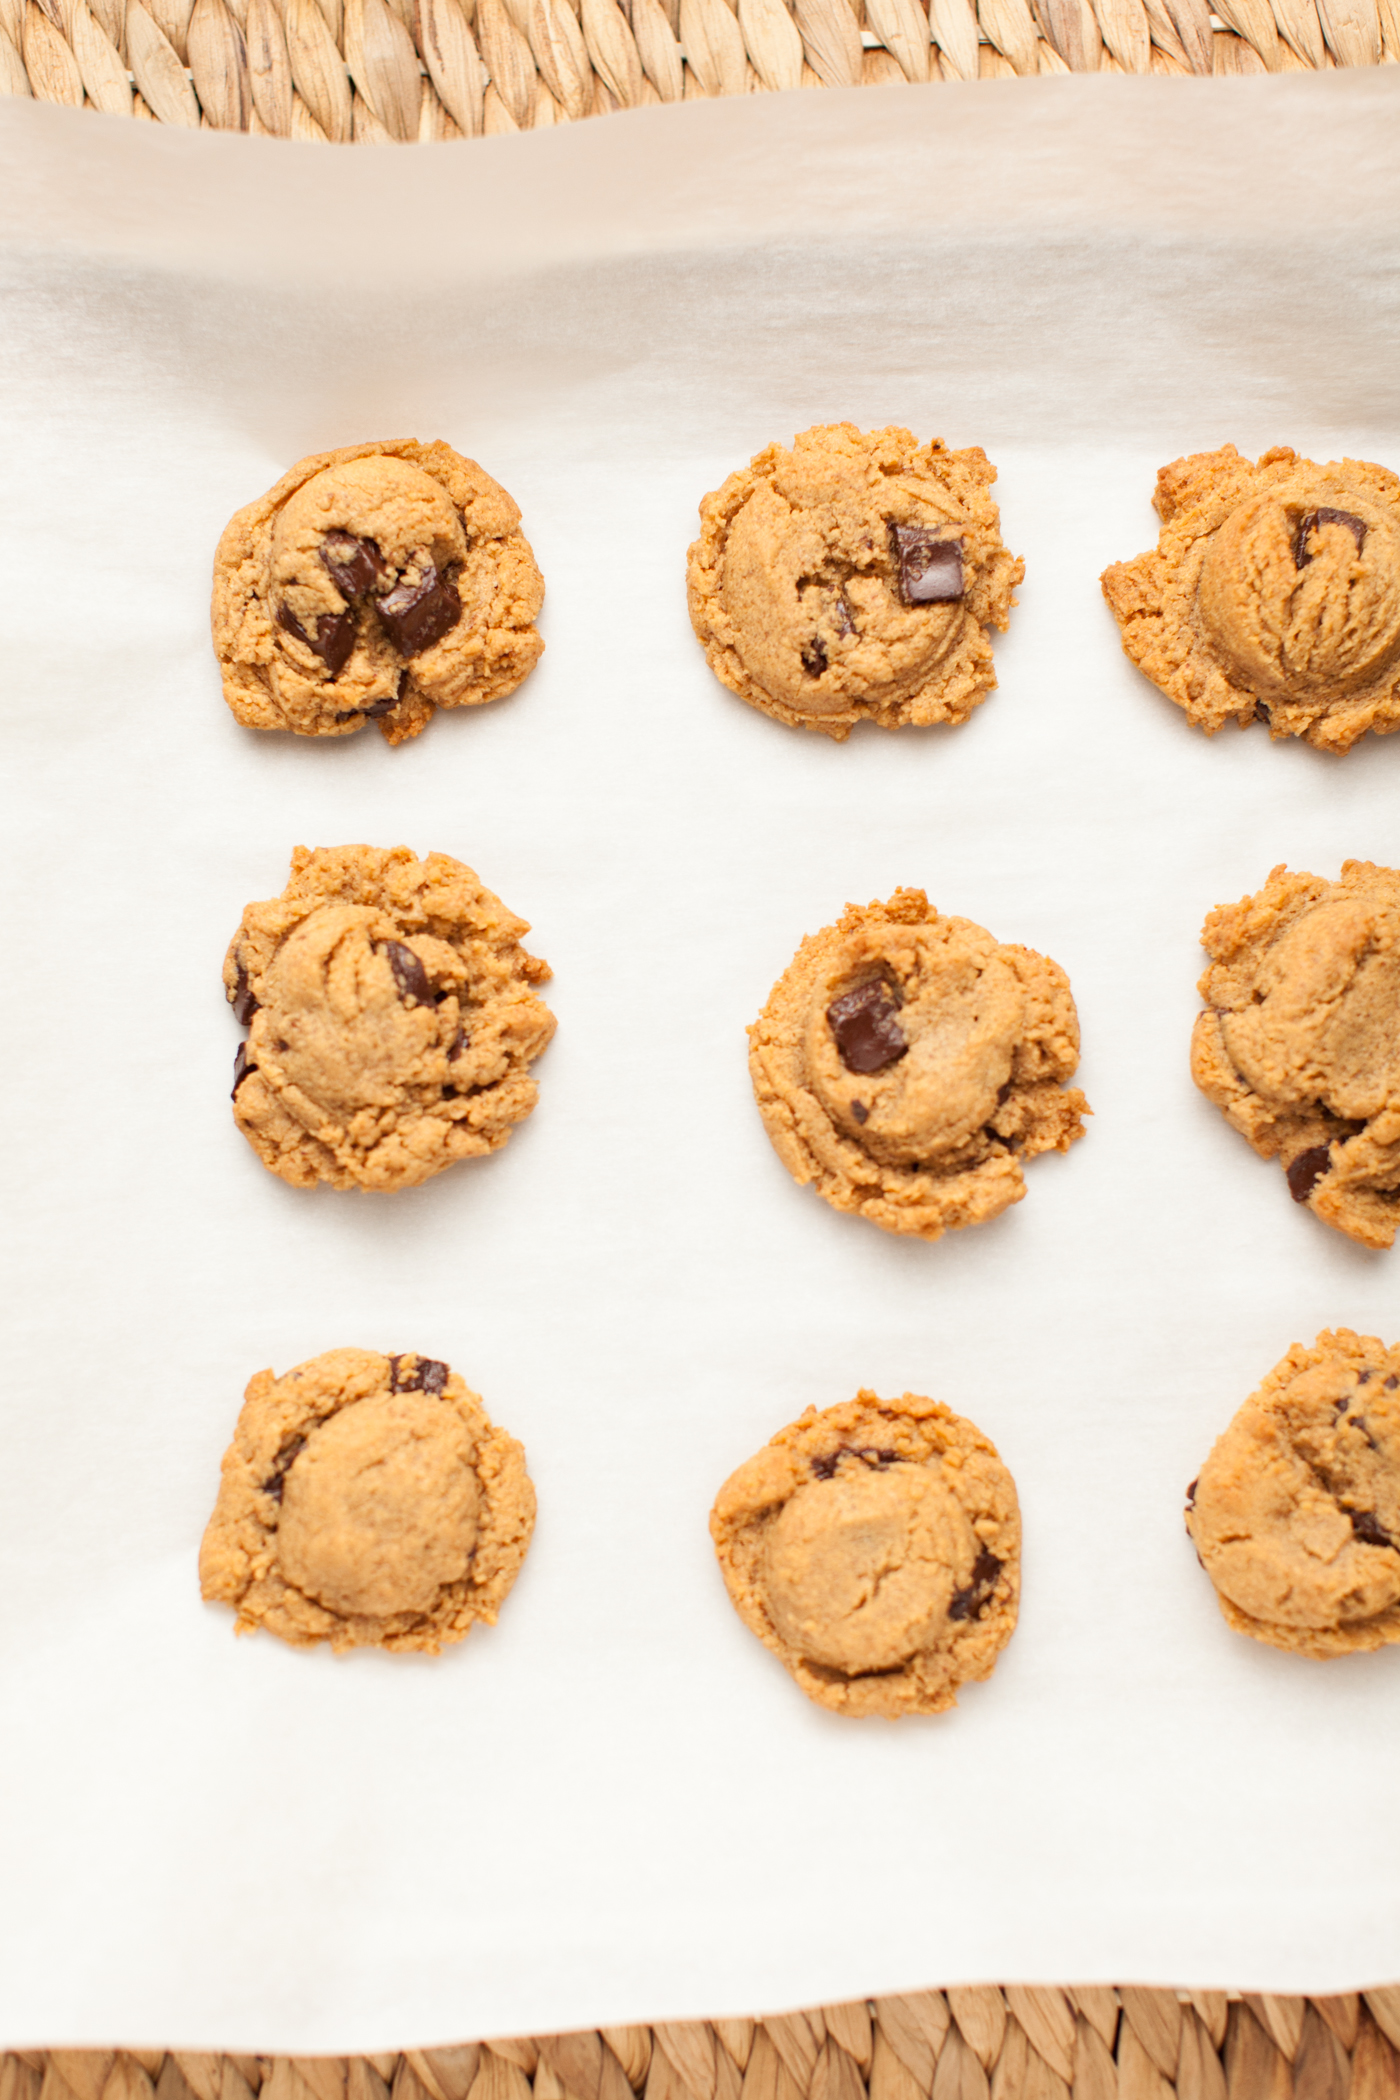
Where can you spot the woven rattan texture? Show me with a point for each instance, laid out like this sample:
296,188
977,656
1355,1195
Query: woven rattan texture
377,72
1017,2043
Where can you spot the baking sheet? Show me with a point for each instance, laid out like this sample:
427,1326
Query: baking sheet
615,1806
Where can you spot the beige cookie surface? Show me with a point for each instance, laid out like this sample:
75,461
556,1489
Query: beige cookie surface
876,1549
907,1063
854,579
375,583
1296,1513
367,1501
392,1019
1299,1045
1273,591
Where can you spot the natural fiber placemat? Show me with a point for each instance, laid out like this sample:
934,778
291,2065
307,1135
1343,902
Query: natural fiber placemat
1020,2042
378,72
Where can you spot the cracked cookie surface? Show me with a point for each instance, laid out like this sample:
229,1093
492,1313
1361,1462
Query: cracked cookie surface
876,1549
907,1063
1299,1045
392,1019
854,579
367,1501
1273,591
376,583
1296,1513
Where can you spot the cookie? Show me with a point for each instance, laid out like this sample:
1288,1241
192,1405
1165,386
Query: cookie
876,1549
907,1063
853,579
1299,1046
1273,591
1296,1513
374,584
391,1015
366,1501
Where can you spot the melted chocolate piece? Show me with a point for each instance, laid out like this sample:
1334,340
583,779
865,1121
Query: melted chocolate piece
1366,1525
814,657
860,1112
355,565
1307,1170
425,1375
243,1003
419,614
1191,1492
844,617
863,1022
281,1466
241,1068
973,1601
930,566
1309,523
333,640
409,975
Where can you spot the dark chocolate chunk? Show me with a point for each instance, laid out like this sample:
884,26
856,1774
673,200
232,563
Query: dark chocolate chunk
1364,1377
876,1458
842,615
814,657
459,1043
243,1003
1191,1492
1391,1383
333,640
825,1467
860,1112
375,712
1367,1526
409,974
863,1022
1307,1170
973,1601
281,1466
242,1066
1309,523
930,565
419,614
424,1375
355,565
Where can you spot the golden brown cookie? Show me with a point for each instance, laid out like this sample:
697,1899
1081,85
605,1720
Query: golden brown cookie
853,579
392,1019
907,1064
1299,1046
367,1501
876,1549
374,584
1274,590
1296,1513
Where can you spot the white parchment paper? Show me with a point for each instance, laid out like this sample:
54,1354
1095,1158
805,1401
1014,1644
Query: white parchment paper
615,1805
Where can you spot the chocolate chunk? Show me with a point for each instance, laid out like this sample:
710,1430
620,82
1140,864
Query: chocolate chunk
930,565
973,1601
243,1003
1364,1377
281,1466
1307,1170
409,974
333,640
1391,1383
1191,1492
419,614
460,1041
242,1066
842,615
876,1458
860,1112
355,565
814,657
424,1375
1366,1525
863,1022
1309,523
825,1467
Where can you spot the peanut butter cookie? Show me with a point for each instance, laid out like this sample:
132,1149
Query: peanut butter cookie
876,1549
907,1064
1274,590
392,1019
374,584
853,579
1296,1514
1299,1046
367,1501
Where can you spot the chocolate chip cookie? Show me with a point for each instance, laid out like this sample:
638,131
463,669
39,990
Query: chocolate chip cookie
907,1064
1273,591
367,1501
876,1549
1299,1046
374,584
853,579
391,1015
1296,1514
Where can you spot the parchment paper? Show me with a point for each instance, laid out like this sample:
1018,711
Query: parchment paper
615,1806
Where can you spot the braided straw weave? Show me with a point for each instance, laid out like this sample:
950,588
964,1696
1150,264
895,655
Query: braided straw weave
378,72
1023,2042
